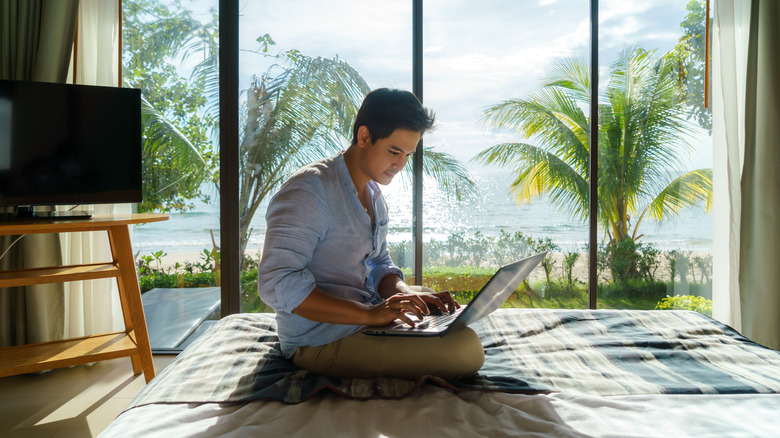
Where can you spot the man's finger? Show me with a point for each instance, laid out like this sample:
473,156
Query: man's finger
411,307
406,319
419,303
452,303
438,302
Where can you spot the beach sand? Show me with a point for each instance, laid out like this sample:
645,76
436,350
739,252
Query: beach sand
579,272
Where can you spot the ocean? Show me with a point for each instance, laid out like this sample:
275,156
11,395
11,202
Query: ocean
492,210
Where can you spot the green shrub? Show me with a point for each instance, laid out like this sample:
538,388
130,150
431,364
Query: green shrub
163,280
633,288
686,302
564,290
155,280
464,265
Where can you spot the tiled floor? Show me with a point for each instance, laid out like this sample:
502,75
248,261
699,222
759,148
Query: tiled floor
79,401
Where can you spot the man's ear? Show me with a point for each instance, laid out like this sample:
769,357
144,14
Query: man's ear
363,136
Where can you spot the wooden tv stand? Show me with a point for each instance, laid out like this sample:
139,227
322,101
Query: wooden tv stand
133,341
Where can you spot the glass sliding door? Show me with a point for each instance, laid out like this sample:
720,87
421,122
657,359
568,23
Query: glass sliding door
170,53
512,138
655,161
322,55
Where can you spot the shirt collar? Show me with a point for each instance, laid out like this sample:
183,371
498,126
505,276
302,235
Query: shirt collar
346,178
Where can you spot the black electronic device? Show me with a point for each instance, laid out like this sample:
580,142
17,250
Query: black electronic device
65,144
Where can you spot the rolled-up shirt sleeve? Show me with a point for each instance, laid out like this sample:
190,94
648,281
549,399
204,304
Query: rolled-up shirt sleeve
381,266
297,219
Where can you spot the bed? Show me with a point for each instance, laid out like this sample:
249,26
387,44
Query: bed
570,373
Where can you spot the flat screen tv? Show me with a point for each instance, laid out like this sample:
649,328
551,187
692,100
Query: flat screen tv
68,144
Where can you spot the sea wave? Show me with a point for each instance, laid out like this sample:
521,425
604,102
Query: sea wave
491,212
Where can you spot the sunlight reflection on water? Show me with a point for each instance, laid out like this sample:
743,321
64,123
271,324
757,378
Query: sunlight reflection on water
489,212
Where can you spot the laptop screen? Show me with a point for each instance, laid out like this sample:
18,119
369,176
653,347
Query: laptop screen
498,289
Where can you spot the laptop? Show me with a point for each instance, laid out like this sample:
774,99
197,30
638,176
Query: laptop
487,300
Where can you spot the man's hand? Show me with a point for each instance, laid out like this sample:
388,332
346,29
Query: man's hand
439,301
401,305
398,306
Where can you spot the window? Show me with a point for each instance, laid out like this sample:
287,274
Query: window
508,82
364,46
482,83
170,51
656,174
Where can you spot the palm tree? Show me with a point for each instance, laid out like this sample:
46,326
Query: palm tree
177,153
643,137
304,113
300,110
289,119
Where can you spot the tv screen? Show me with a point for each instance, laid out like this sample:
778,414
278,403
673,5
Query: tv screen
69,144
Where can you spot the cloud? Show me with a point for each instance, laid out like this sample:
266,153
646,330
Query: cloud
474,55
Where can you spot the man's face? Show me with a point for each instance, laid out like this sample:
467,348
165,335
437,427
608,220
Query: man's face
385,158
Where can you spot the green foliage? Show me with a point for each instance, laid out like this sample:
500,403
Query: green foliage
569,259
298,111
206,262
463,281
619,259
648,261
546,244
632,289
704,264
178,157
176,280
643,139
683,265
688,58
198,274
455,279
479,250
250,299
629,260
671,259
686,302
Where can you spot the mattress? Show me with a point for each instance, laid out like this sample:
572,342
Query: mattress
549,372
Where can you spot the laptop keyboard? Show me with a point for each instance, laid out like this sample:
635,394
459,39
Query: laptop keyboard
430,321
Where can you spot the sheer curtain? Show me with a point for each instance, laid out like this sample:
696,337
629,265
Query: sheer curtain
36,37
93,307
746,133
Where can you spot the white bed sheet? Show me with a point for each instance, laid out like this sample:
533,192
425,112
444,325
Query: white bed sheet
432,412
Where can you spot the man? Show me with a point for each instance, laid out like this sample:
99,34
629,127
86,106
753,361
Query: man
326,269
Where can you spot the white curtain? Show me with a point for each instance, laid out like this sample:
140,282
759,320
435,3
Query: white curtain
35,44
93,307
746,138
731,21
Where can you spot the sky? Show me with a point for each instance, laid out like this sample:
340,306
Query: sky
476,53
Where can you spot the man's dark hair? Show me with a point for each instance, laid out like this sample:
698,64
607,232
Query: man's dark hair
384,110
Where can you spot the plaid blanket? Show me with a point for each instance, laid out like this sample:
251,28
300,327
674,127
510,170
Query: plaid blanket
600,352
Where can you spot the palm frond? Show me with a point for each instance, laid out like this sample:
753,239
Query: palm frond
644,137
689,189
162,133
538,172
571,74
448,173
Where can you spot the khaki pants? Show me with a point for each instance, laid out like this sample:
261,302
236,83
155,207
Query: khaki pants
455,356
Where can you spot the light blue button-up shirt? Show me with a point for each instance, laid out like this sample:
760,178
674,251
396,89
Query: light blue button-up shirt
319,234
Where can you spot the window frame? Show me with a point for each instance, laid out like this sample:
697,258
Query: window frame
229,159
